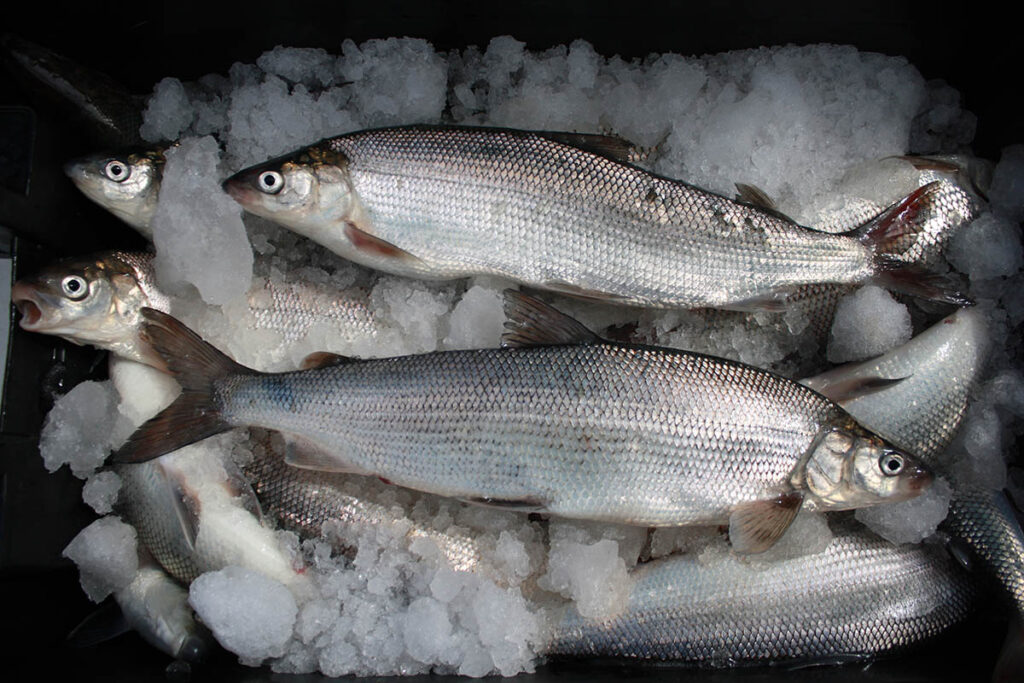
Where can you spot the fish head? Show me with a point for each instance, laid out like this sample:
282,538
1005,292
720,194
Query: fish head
849,467
127,184
93,300
309,191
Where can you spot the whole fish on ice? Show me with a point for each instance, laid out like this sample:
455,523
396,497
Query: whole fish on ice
562,422
450,202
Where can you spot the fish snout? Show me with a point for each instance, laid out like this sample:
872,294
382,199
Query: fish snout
917,478
239,186
23,297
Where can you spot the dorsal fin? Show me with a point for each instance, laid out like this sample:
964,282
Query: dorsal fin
533,323
609,146
323,359
755,196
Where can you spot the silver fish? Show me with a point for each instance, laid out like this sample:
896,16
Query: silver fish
111,113
157,608
938,372
195,512
96,300
923,387
450,202
126,183
858,598
303,500
563,422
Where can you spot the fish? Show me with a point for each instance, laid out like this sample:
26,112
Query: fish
126,183
96,300
109,112
873,596
195,512
559,421
923,387
448,202
939,373
156,607
303,500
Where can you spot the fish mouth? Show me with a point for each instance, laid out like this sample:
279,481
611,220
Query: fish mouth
31,314
238,187
918,479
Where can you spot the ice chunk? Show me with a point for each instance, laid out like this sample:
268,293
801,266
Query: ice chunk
593,575
989,246
144,391
910,521
197,228
168,113
477,321
249,614
78,431
868,322
100,491
307,65
106,555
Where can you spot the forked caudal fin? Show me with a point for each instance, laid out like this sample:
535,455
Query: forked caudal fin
885,232
194,415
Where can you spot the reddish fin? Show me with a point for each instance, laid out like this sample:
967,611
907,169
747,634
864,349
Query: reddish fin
323,359
533,323
754,527
888,230
375,246
194,415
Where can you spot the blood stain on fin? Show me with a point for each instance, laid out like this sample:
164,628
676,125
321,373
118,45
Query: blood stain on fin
373,245
306,455
194,415
323,359
756,526
887,231
847,389
533,323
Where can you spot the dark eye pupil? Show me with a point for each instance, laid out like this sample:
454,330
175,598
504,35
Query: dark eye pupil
893,465
116,170
269,180
74,285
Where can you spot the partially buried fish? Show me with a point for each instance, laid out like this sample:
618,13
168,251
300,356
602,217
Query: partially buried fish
560,422
450,202
858,598
96,300
126,183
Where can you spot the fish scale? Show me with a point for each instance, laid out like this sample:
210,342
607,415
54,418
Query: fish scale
859,597
442,193
607,448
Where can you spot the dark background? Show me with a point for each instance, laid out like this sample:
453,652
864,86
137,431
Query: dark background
977,52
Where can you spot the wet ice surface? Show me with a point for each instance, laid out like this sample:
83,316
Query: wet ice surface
805,124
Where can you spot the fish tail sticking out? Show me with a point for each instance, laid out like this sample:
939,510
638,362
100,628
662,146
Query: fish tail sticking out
886,232
195,414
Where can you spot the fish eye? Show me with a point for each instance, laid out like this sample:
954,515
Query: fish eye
891,464
118,171
270,182
74,287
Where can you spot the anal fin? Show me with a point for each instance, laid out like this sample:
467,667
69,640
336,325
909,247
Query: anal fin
756,526
533,323
527,504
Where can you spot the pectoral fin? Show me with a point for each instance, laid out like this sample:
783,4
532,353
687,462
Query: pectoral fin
756,526
375,246
847,389
528,504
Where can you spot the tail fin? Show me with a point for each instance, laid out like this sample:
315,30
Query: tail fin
194,415
887,235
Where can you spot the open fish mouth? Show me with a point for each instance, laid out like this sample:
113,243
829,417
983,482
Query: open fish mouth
30,312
